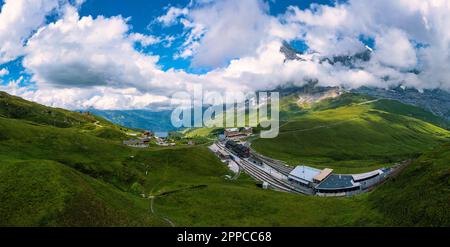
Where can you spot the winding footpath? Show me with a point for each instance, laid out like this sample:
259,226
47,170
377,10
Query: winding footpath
152,199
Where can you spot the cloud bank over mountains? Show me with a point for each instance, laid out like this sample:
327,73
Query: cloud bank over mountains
81,62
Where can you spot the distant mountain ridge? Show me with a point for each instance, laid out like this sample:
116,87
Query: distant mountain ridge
350,60
436,101
138,119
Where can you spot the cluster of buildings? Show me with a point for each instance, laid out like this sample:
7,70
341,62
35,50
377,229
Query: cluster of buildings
326,183
162,138
222,154
144,140
137,143
140,142
232,133
304,179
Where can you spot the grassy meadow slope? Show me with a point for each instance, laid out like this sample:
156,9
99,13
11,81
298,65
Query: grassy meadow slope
18,108
14,107
47,193
65,168
72,176
191,190
75,148
354,134
242,203
419,196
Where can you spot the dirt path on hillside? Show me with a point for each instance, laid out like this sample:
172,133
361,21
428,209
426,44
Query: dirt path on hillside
152,197
152,210
330,125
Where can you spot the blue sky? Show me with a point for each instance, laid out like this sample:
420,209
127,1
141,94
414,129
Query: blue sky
142,14
117,54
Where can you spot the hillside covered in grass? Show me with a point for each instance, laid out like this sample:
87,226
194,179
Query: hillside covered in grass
18,108
73,176
419,196
13,107
65,168
354,133
48,193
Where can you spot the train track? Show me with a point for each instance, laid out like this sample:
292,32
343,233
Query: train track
275,182
260,174
263,176
277,165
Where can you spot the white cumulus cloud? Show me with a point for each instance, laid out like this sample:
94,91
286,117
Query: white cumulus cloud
18,19
4,72
395,49
82,61
171,16
222,30
85,52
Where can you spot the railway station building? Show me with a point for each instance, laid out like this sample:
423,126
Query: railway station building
303,175
337,183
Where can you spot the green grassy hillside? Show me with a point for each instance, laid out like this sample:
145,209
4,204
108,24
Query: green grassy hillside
64,168
70,177
18,108
354,134
420,196
98,157
82,176
47,193
241,203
